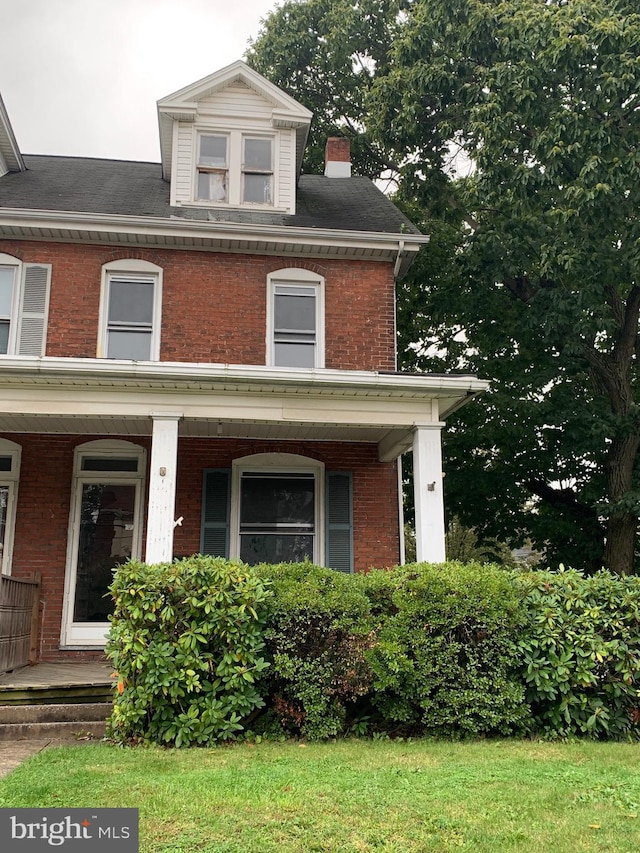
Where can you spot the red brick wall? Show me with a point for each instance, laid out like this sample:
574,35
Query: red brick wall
214,304
44,496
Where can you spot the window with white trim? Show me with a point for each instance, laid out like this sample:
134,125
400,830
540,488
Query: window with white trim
295,319
234,168
257,170
24,305
213,168
130,311
278,507
9,475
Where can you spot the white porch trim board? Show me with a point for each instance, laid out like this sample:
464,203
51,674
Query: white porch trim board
428,493
162,488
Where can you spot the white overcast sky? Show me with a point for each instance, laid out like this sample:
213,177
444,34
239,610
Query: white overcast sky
82,77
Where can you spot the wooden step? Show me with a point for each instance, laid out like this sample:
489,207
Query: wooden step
37,695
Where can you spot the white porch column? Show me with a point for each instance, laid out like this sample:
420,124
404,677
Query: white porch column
428,494
162,488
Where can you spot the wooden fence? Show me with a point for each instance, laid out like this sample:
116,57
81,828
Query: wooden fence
19,604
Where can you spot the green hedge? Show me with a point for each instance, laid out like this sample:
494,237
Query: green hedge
317,632
444,660
205,648
186,642
580,653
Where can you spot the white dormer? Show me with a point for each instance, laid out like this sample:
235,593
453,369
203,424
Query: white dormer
233,140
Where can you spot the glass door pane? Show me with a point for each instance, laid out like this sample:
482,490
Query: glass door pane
107,515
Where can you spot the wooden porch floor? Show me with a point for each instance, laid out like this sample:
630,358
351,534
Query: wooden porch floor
55,682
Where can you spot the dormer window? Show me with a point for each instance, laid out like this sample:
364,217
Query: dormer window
213,168
234,168
257,170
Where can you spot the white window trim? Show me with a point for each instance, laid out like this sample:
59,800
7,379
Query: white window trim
93,634
235,171
11,479
131,266
292,276
16,265
278,463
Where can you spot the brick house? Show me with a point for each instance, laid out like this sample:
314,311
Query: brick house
199,356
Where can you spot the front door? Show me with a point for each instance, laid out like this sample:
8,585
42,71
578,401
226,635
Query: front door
105,532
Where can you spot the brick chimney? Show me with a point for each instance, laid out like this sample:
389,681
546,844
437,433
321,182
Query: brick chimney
337,157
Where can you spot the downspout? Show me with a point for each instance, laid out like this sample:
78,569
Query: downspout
396,268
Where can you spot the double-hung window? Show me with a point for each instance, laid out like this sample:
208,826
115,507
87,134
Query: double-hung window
213,168
131,300
278,507
257,170
295,319
277,516
234,168
24,302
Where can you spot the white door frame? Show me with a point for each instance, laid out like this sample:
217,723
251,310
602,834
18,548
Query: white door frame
93,634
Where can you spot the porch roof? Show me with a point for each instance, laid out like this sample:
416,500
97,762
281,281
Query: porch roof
96,396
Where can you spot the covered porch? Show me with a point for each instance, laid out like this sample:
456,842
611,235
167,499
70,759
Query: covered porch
91,438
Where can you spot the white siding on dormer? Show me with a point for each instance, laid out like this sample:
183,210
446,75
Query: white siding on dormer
237,101
286,154
235,111
183,166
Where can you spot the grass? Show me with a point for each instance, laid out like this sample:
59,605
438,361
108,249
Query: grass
353,796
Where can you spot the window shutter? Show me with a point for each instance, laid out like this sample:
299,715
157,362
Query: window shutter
339,515
34,304
214,538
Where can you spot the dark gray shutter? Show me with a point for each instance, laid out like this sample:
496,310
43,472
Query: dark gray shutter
339,521
214,536
34,303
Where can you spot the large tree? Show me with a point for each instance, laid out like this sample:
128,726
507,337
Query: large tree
532,280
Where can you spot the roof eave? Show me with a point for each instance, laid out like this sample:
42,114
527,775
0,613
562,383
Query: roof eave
250,238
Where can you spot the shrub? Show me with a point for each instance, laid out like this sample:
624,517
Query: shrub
444,657
316,634
185,641
581,653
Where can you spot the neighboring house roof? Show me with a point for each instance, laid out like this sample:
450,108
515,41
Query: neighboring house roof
10,156
128,188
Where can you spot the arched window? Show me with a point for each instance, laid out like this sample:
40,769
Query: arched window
278,507
130,311
295,319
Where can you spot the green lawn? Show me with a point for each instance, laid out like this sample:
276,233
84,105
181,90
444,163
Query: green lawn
485,796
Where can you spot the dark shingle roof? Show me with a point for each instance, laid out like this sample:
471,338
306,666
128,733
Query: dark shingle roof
86,185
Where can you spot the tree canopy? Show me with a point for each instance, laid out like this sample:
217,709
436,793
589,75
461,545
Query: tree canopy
509,130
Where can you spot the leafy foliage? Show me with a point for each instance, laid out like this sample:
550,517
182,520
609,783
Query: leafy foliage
316,635
443,660
531,278
186,642
581,653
